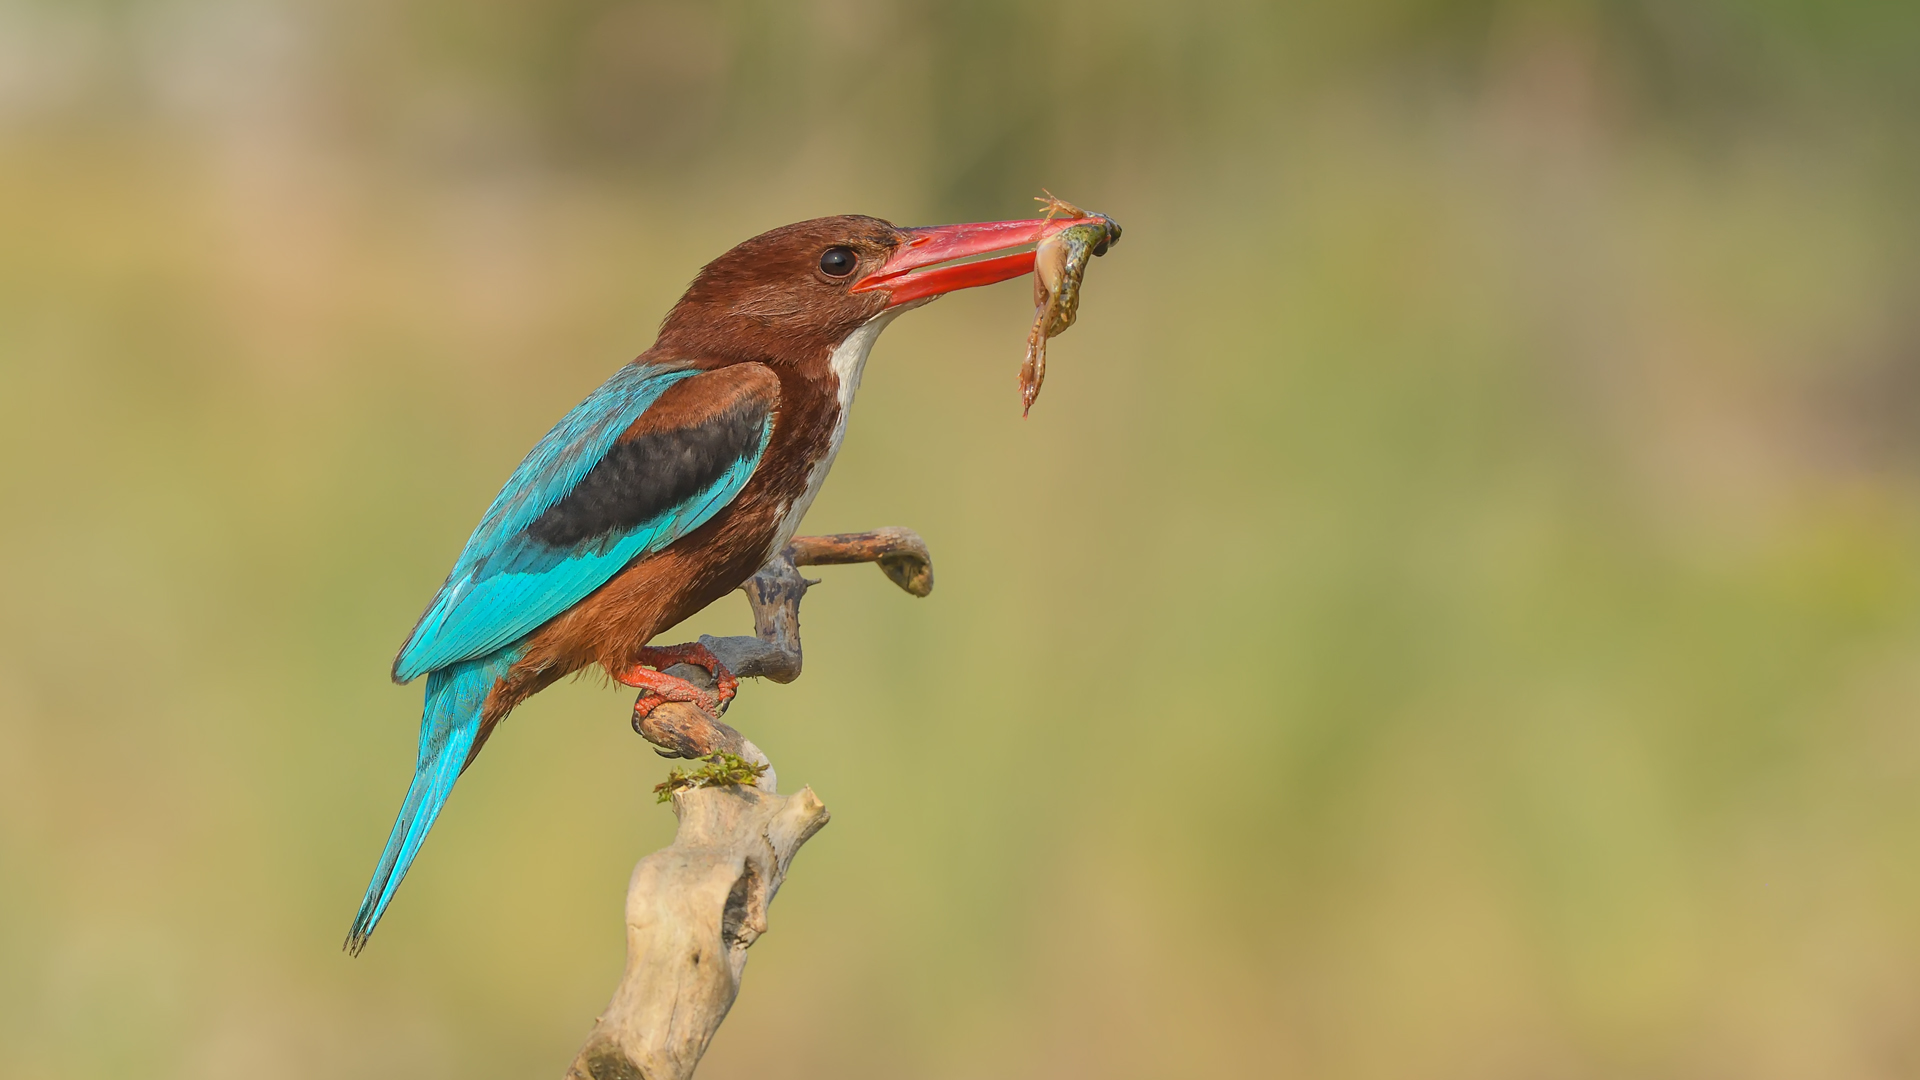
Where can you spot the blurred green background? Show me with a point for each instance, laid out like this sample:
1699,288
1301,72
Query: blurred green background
1454,612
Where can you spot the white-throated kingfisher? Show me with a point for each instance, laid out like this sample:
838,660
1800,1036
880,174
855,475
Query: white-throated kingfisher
669,487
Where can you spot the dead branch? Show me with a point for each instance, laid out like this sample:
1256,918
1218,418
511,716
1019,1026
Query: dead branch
695,907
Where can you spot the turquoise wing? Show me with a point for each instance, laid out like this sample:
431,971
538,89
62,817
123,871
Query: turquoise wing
587,500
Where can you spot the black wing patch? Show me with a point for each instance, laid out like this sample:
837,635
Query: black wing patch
647,476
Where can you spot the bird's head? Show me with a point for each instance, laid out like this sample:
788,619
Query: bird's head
804,288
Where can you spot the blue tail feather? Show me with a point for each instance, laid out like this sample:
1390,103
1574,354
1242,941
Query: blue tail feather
449,724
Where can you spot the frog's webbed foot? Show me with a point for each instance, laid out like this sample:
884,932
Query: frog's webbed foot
1058,207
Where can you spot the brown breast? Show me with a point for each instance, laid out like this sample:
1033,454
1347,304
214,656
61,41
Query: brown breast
657,591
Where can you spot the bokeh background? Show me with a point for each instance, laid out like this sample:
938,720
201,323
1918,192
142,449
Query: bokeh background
1455,611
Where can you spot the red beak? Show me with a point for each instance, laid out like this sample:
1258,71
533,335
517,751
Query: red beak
915,270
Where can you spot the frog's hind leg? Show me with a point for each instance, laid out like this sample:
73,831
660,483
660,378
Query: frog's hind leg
1034,371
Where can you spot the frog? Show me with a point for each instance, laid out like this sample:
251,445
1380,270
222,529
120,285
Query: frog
1059,265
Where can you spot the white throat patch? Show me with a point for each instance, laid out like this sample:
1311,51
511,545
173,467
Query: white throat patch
848,363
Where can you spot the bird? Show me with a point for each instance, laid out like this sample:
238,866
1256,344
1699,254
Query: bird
669,487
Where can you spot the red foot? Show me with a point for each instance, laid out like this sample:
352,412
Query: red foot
657,686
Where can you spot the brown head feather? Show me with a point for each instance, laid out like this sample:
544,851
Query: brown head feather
768,300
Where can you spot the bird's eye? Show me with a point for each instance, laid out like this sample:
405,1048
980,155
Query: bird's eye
838,262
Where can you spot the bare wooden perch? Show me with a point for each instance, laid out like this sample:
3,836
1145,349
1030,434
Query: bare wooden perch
695,907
